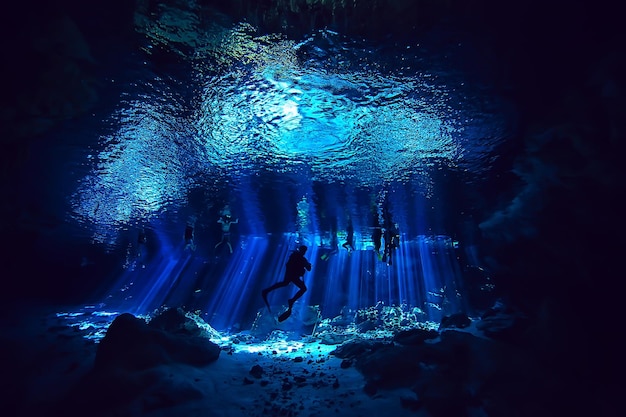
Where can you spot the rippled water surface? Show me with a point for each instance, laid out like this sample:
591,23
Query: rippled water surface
264,123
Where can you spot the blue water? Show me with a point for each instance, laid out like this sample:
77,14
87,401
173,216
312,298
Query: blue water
300,137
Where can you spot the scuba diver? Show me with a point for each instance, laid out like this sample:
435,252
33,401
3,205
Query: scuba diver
294,271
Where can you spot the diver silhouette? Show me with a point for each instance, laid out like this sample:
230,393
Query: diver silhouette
392,239
226,221
377,237
349,243
294,270
391,235
189,237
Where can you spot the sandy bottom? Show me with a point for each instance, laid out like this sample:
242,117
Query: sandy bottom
49,357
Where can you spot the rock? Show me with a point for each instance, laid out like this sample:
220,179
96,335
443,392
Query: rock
415,336
458,320
390,366
355,348
366,325
257,371
370,388
174,320
503,326
310,316
330,338
133,345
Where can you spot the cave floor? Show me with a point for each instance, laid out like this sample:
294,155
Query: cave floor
51,354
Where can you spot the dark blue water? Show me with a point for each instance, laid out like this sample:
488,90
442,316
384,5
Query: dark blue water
302,139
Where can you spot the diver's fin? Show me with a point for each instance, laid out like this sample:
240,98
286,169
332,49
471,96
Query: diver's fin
284,316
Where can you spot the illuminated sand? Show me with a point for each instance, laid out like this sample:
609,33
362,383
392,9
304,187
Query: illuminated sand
299,377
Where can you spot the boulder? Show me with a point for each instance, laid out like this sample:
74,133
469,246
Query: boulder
132,344
415,336
458,320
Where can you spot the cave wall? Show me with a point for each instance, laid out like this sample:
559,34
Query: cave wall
57,56
553,238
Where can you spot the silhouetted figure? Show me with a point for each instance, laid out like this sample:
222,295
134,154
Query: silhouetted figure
294,270
349,243
225,211
377,237
333,249
189,237
392,241
226,221
142,239
392,236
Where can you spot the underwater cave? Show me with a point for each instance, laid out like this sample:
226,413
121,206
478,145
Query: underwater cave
452,169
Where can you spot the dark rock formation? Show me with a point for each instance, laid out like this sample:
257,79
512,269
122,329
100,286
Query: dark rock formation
131,344
129,367
458,320
373,19
461,373
356,348
55,56
175,321
257,371
503,324
389,366
415,336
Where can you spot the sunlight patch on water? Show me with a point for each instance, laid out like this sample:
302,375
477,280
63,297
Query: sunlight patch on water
357,125
142,170
327,109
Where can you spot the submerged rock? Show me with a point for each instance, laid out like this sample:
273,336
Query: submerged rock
503,324
355,348
415,336
174,320
458,320
131,344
